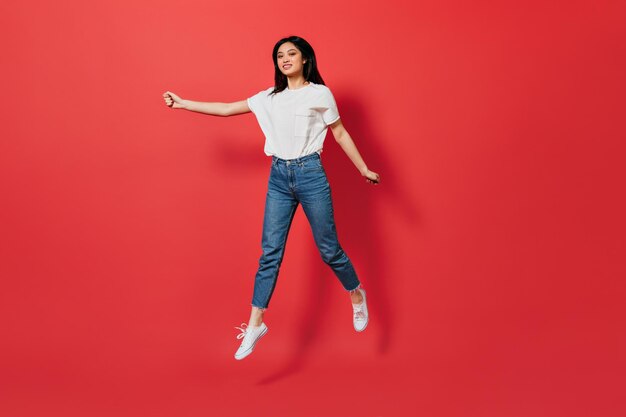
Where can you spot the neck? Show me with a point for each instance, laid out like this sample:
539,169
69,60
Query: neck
294,83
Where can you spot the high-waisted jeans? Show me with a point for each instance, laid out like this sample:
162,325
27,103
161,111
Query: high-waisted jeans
292,182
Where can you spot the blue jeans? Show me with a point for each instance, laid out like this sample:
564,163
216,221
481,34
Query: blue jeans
292,182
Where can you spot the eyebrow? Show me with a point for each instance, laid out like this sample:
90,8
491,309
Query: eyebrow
280,52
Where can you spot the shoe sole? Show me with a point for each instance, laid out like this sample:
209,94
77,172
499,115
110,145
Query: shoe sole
249,351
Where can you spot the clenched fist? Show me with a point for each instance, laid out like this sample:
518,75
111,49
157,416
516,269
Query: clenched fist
173,101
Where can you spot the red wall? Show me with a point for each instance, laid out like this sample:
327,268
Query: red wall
492,251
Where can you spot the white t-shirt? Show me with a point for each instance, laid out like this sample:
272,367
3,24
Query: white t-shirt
294,122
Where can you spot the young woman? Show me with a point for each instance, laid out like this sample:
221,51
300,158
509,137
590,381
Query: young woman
294,116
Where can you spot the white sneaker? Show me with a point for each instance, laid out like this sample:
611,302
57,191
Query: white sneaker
360,316
251,336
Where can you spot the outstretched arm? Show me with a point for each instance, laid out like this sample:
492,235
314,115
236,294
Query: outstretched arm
347,144
215,109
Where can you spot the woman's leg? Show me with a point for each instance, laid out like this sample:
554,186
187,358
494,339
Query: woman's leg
315,196
280,207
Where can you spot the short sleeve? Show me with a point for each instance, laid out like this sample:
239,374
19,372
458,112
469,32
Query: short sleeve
330,113
253,102
256,101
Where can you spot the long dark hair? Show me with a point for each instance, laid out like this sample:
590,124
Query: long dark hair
309,71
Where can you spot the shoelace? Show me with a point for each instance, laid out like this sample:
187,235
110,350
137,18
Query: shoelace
358,311
243,329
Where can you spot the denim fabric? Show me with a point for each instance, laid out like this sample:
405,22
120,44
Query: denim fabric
292,182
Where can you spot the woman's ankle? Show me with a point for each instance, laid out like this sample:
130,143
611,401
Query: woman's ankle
256,316
356,297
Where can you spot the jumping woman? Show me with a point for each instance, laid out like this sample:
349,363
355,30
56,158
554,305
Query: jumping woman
294,116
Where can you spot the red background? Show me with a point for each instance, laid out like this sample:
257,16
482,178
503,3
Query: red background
492,252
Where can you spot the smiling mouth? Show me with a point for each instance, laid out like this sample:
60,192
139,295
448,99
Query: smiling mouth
287,66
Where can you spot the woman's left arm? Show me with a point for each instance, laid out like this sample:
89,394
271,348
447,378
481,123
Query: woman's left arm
347,144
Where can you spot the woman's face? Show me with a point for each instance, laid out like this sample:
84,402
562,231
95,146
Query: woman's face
289,59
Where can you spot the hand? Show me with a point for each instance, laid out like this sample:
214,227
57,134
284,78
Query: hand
173,101
372,177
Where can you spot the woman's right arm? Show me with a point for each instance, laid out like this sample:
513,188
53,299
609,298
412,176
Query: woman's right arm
215,109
